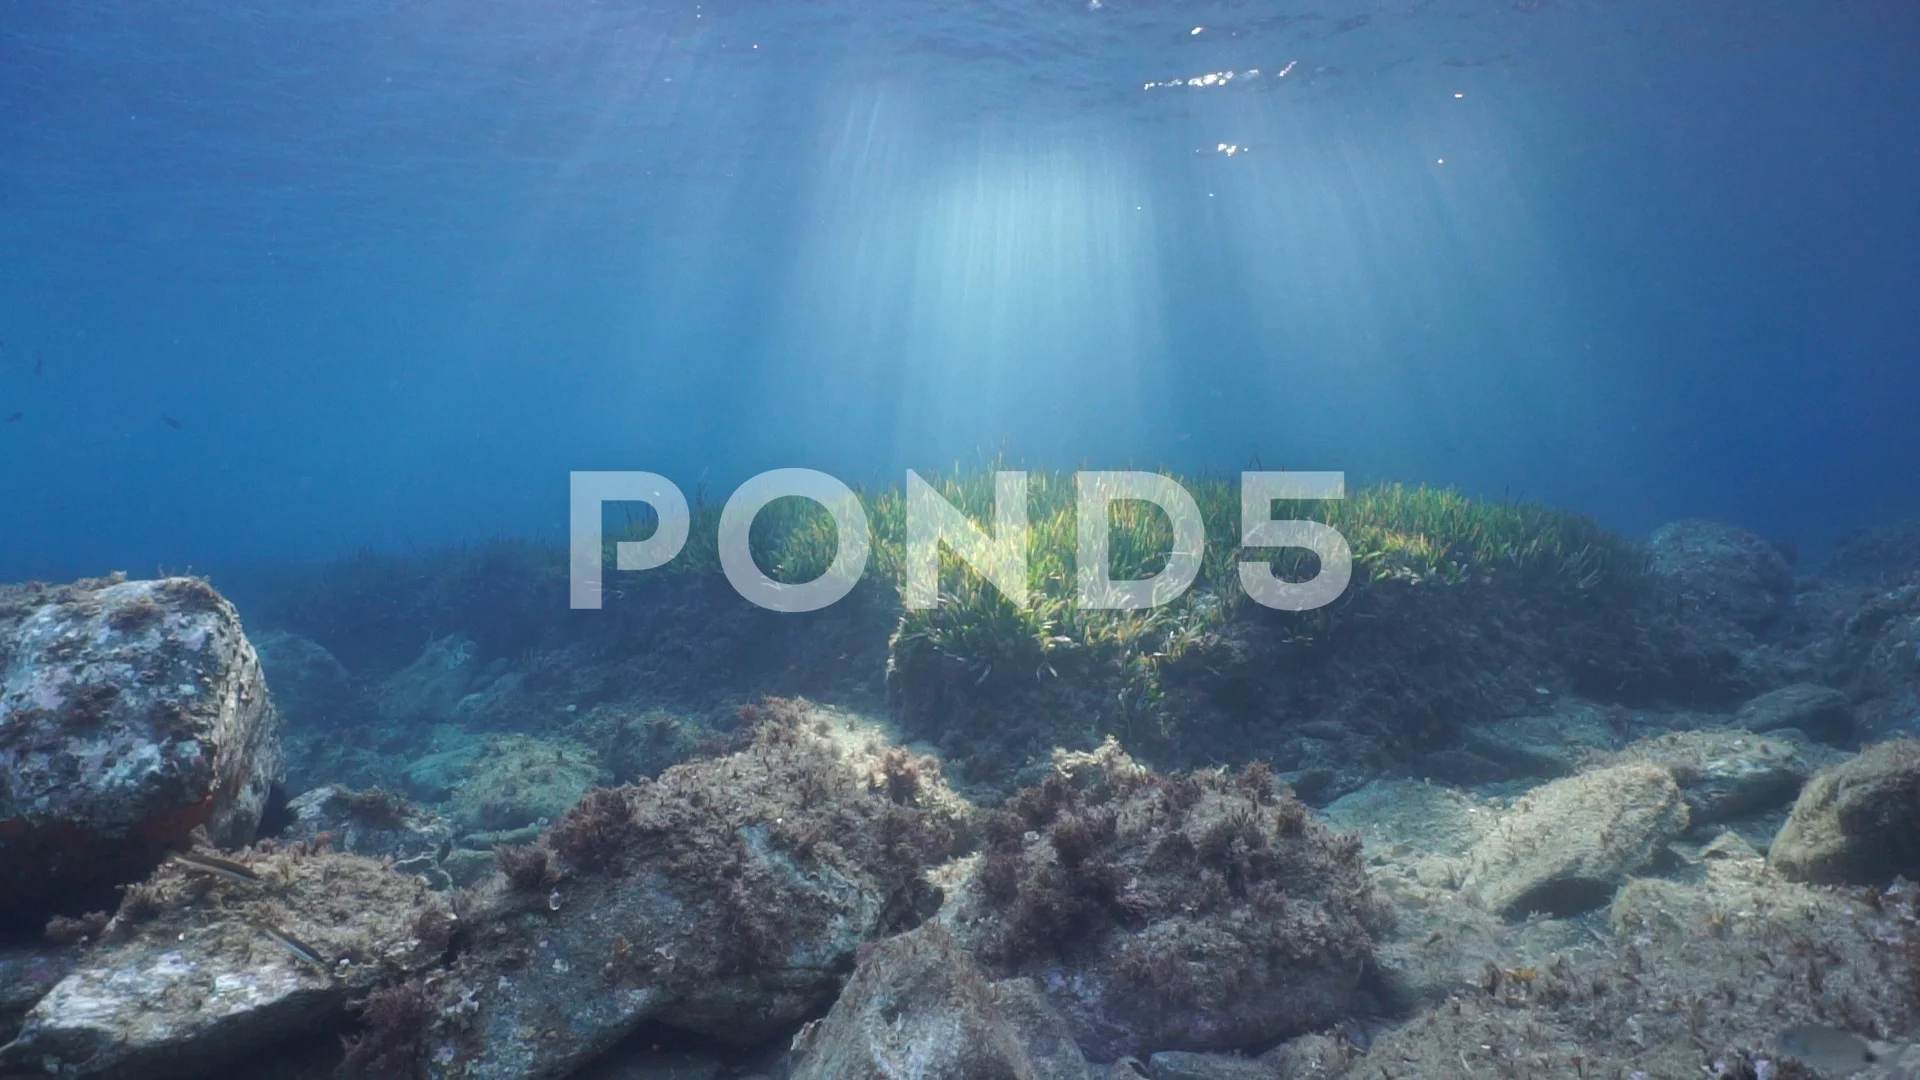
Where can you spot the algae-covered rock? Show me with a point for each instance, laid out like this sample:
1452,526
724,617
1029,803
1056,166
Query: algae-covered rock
1726,775
918,1006
310,688
374,823
131,713
1567,845
516,781
727,898
643,744
198,967
428,690
1855,823
1195,912
1821,712
497,783
1702,968
1723,572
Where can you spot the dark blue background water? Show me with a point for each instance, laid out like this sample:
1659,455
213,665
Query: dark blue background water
395,268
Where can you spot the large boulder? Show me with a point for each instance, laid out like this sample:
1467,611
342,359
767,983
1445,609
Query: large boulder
1567,845
726,898
131,714
203,964
919,1006
1193,912
1722,572
1855,823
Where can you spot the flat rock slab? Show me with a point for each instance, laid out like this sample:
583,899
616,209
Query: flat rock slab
1567,845
1397,819
131,713
190,975
1548,746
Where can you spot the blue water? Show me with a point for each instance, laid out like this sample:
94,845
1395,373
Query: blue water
394,268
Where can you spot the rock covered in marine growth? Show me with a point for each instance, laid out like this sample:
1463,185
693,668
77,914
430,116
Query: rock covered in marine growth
1190,912
512,781
918,1005
451,682
200,965
726,898
1855,823
1877,646
131,713
310,687
1567,845
428,690
1718,570
1728,775
374,823
1819,712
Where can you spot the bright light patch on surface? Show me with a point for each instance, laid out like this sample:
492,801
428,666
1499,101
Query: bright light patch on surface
1210,79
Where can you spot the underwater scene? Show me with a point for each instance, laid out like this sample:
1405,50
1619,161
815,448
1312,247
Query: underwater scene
1007,540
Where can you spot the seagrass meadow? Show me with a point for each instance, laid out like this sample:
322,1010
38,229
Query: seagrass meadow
1441,581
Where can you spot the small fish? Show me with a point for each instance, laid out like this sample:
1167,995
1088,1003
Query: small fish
39,365
14,418
293,945
213,864
170,421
